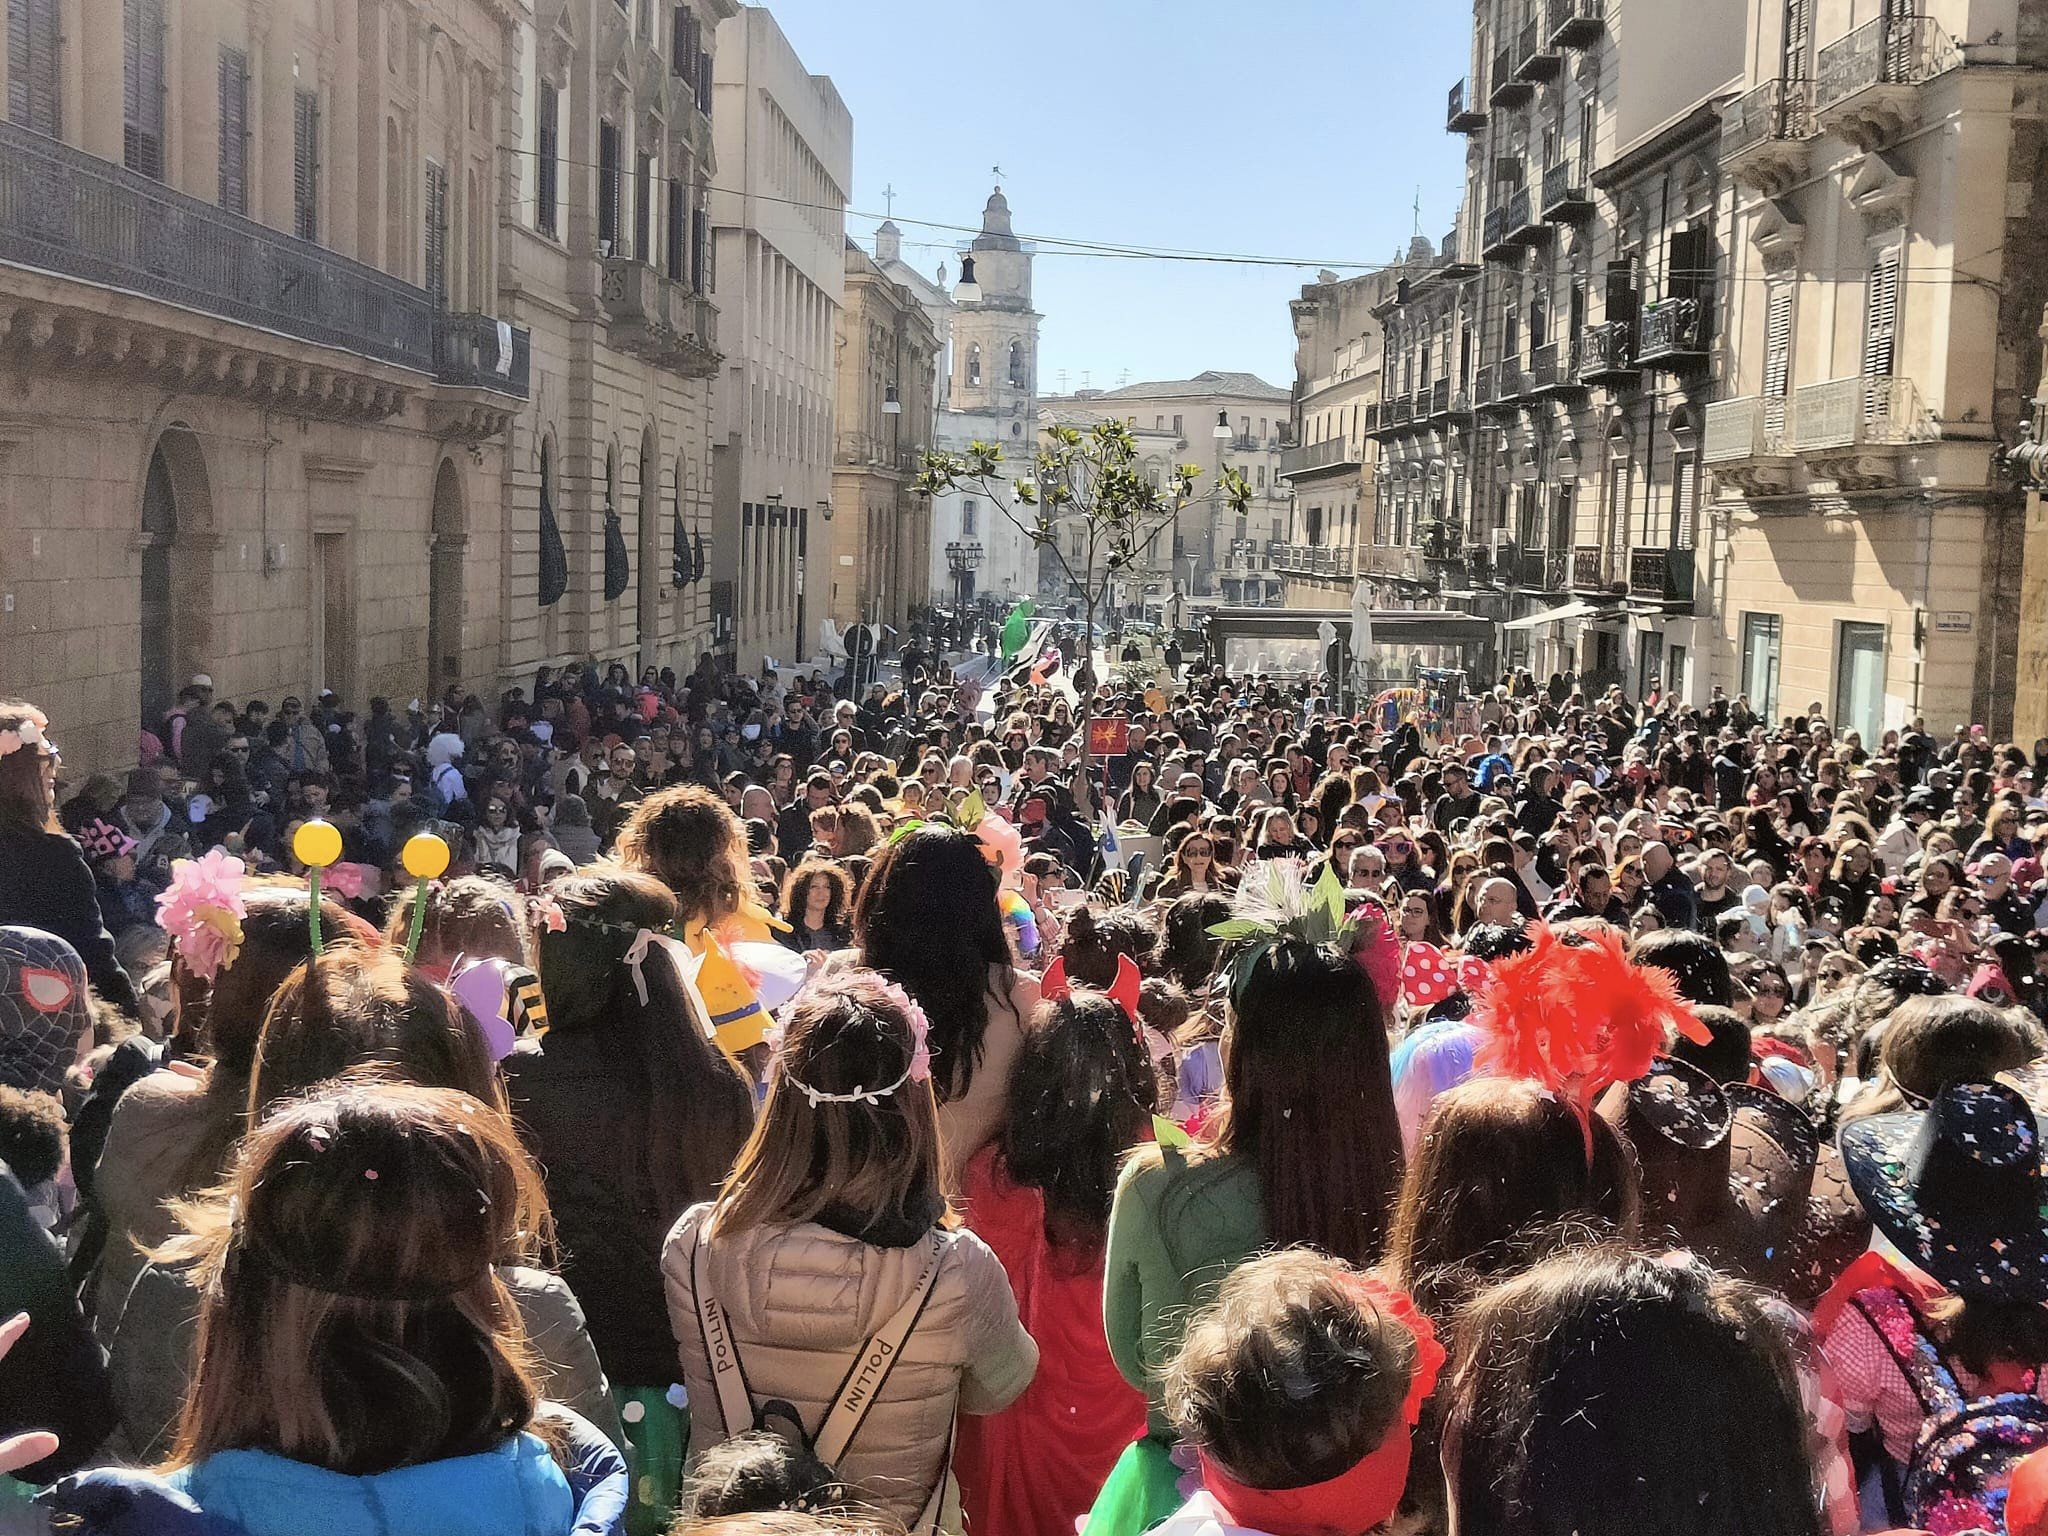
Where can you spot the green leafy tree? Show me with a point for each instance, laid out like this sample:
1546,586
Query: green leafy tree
1086,479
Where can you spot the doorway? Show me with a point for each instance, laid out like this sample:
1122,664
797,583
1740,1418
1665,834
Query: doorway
1859,681
332,616
159,632
444,583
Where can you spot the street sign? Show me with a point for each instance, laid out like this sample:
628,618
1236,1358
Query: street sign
1108,738
1954,623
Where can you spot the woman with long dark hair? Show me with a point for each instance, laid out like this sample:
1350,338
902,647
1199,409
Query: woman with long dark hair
45,881
817,903
832,1238
928,918
1303,1147
635,1115
1081,1097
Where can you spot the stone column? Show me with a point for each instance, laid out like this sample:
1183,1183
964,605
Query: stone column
97,62
340,149
272,90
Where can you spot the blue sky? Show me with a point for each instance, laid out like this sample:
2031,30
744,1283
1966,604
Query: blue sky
1296,128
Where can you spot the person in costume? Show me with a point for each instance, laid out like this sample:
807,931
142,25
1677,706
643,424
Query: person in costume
690,840
361,1365
829,1276
635,1115
1303,1147
1948,1305
1298,1391
1615,1393
1081,1096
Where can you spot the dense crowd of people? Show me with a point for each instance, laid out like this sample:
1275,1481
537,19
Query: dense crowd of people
791,1114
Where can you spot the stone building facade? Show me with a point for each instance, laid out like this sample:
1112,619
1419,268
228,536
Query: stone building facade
254,380
1177,421
1888,245
1340,530
876,554
785,142
608,548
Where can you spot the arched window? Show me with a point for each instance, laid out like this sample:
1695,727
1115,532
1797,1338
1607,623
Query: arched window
1017,364
974,366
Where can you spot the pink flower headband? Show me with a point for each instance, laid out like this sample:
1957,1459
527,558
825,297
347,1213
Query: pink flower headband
32,732
202,910
919,1069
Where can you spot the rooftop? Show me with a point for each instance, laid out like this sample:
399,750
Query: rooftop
1210,382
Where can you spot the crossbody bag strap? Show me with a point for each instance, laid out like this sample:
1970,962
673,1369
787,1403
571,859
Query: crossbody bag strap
862,1385
721,1350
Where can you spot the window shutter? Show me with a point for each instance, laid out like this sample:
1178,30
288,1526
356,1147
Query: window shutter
32,91
1777,354
554,557
1684,497
546,191
234,131
306,165
437,232
1798,33
142,87
608,187
1621,290
1881,318
677,224
704,82
643,208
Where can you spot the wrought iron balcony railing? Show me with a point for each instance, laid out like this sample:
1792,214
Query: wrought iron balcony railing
1462,116
1607,353
1777,110
1898,50
1661,575
1673,334
1329,453
1565,199
1573,23
70,213
1853,413
1590,568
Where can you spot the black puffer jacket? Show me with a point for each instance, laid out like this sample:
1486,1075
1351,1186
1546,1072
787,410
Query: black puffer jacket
45,883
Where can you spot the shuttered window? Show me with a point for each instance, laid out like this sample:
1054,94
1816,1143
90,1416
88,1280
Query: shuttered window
1685,490
33,101
678,230
608,188
1881,317
142,87
1798,38
437,231
234,130
547,194
1777,354
682,62
306,165
703,81
643,209
700,250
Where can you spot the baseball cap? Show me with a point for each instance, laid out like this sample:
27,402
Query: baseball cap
201,680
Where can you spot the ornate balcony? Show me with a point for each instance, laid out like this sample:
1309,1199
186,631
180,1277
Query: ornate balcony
1524,225
1573,23
1537,60
140,245
1746,445
1591,569
1555,371
1310,560
1543,570
1508,89
1856,432
1463,118
1606,354
657,319
1673,336
1867,84
1765,135
1494,242
1565,198
1333,453
1662,576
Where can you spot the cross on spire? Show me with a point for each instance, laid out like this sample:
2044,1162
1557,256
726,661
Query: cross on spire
889,201
999,172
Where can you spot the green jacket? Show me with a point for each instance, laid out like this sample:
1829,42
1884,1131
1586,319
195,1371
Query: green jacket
1176,1230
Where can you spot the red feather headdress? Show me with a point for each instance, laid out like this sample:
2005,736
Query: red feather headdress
1577,1016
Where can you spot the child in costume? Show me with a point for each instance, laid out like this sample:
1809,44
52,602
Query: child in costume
1299,1391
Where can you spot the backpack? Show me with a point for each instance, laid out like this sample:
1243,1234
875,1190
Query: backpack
1966,1447
859,1389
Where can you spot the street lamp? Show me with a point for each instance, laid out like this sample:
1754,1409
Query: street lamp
962,560
891,405
1221,431
967,290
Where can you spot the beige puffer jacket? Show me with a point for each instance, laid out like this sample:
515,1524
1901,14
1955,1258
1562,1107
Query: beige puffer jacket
803,1299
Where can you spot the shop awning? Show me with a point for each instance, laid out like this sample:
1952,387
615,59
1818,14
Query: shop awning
1551,616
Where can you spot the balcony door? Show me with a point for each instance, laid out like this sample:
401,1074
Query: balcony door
1859,680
